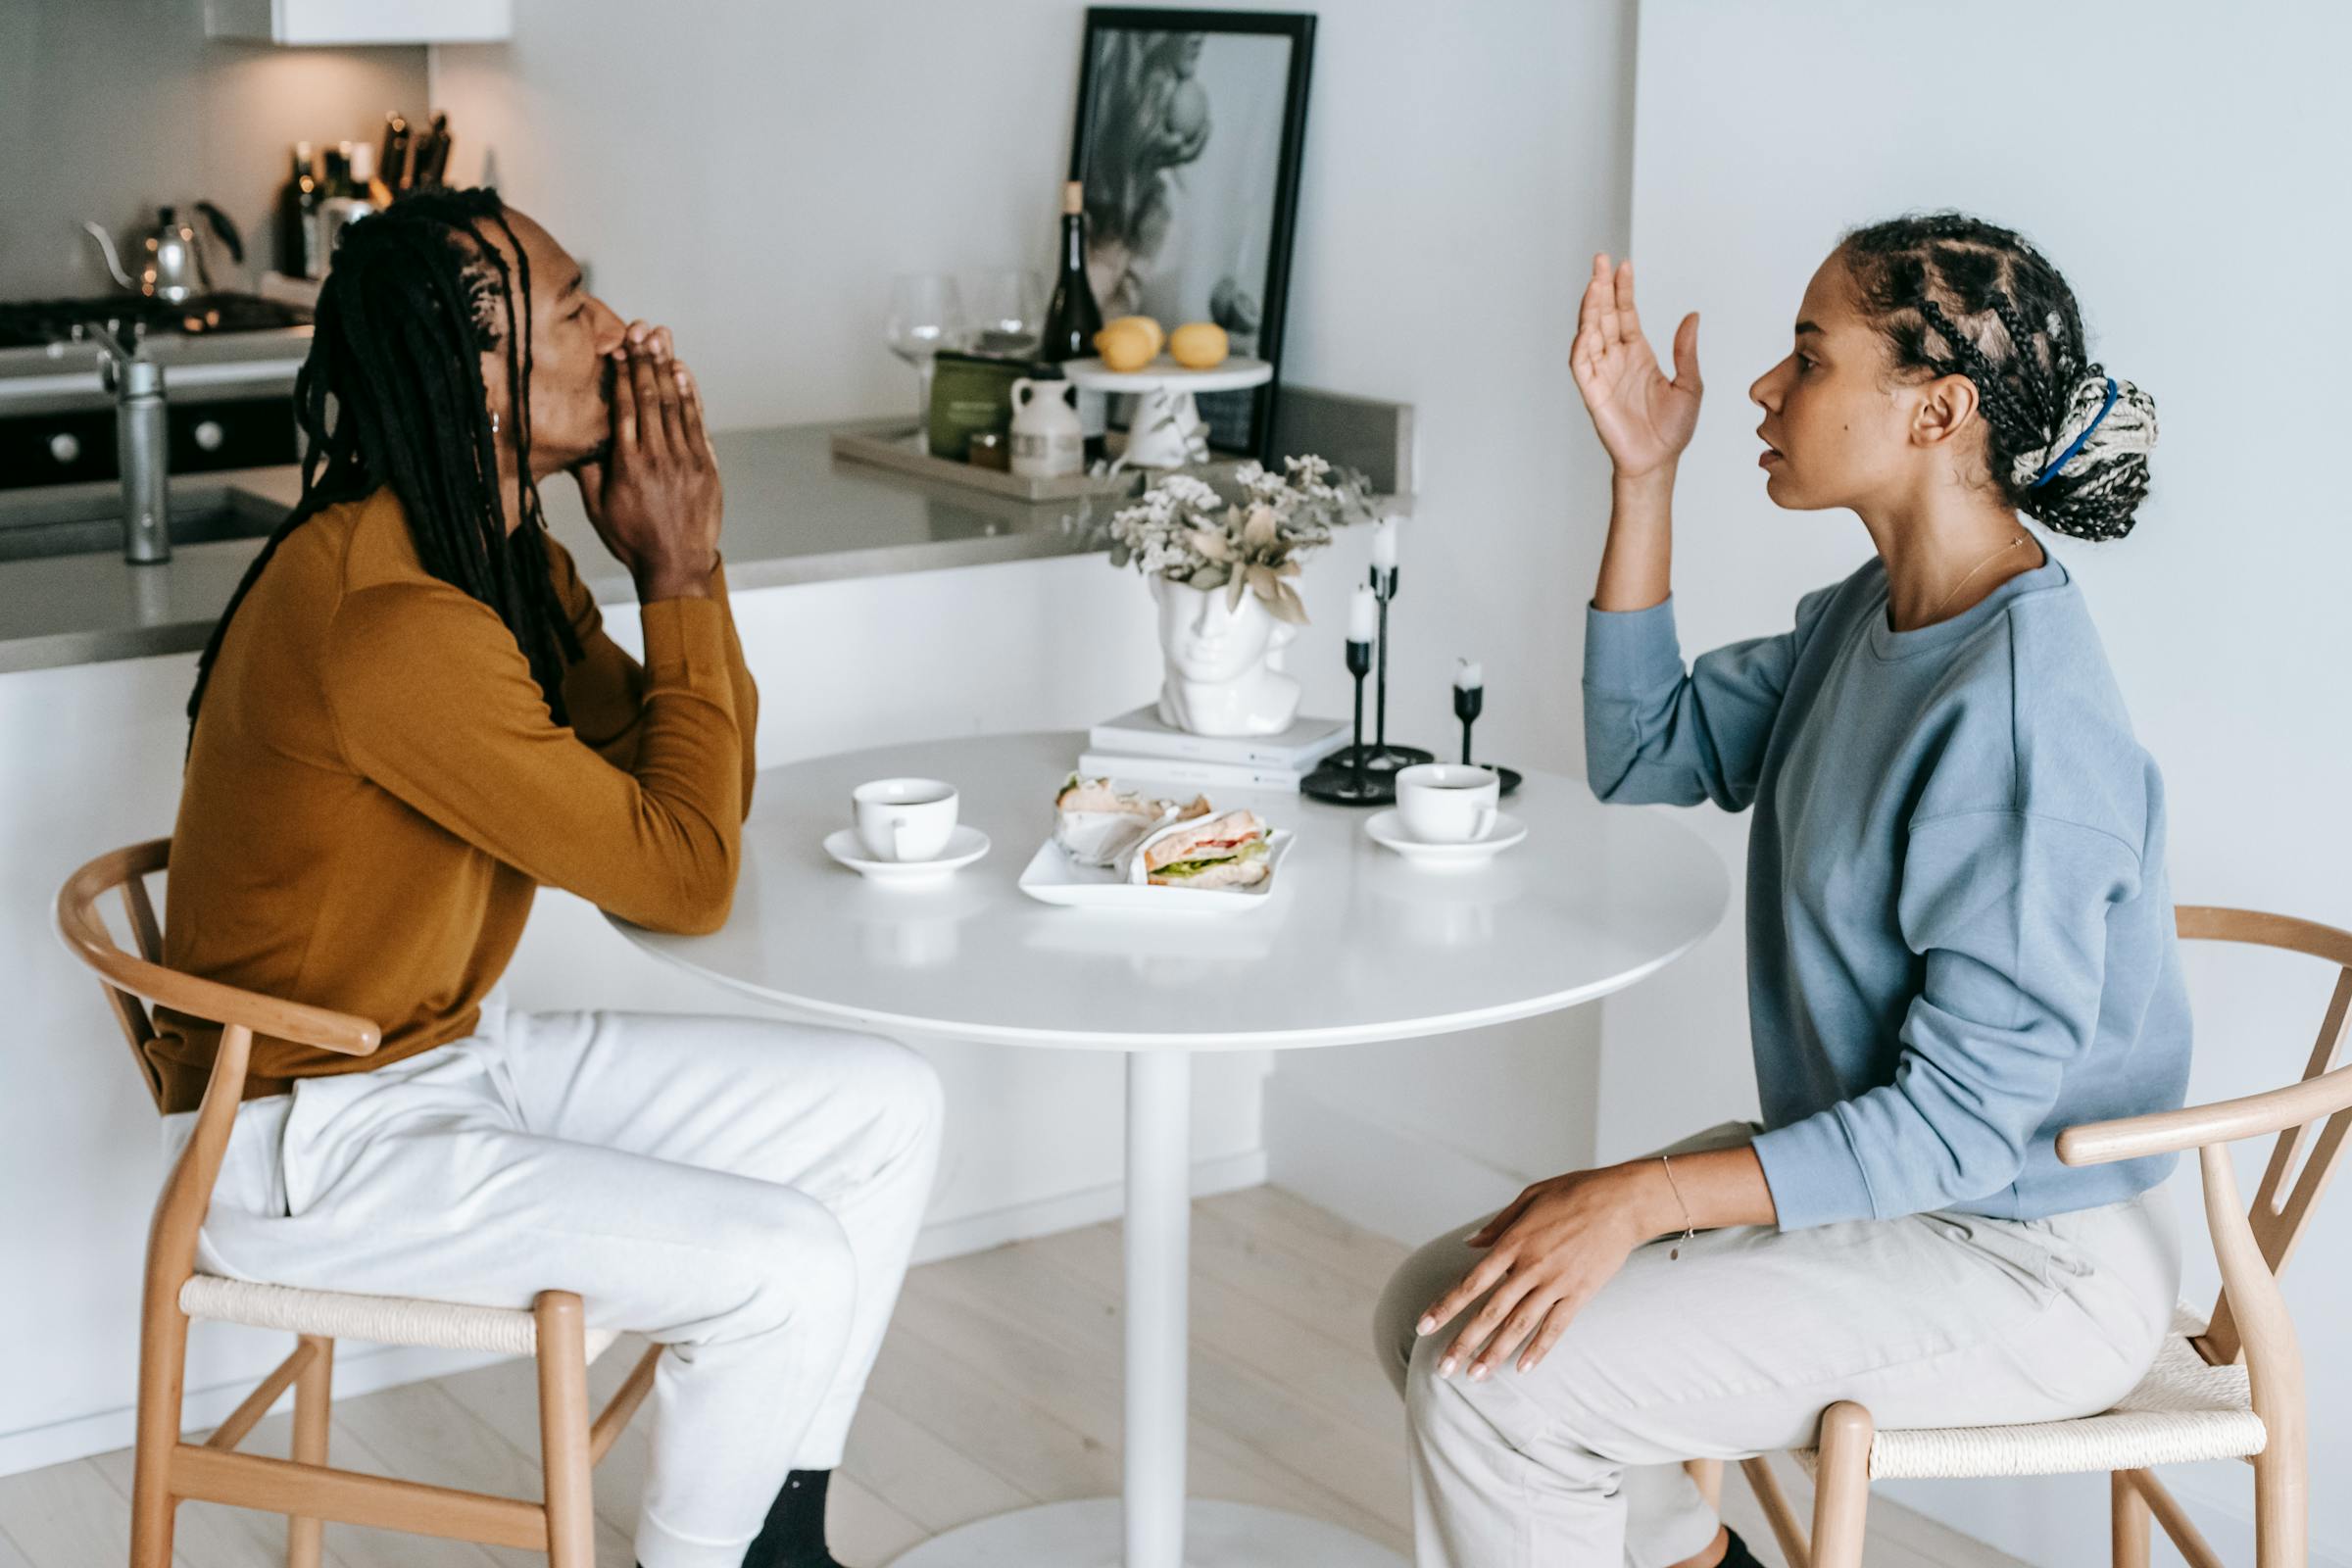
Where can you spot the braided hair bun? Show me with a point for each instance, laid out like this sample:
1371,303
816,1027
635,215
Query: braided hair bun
2092,477
2065,442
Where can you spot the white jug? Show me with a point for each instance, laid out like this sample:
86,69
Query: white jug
1047,441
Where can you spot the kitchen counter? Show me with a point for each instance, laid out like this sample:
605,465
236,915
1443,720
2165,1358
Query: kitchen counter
795,513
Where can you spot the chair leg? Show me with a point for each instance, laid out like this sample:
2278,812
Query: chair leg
1777,1512
564,1430
162,1370
2282,1510
2130,1521
314,1403
1841,1486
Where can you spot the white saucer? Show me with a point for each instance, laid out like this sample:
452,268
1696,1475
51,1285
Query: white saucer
1386,829
965,845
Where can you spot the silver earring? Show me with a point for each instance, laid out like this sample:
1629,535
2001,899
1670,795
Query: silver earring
494,422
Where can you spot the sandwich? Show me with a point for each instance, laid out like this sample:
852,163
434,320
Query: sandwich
1097,824
1226,852
1101,795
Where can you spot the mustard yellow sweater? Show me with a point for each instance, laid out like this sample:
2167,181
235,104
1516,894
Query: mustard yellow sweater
377,789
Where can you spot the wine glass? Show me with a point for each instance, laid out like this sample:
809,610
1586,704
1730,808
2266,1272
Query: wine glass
1010,305
926,315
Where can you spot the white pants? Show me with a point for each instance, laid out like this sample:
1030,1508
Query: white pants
744,1191
1736,1346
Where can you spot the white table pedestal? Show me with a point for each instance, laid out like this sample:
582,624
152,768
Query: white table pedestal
1154,1526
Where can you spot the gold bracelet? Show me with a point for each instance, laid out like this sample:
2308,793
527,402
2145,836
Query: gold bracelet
1676,1251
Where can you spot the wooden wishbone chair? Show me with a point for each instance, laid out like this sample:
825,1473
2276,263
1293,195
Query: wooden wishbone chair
306,1489
2228,1385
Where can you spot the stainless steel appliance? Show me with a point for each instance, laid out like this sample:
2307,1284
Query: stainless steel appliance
100,400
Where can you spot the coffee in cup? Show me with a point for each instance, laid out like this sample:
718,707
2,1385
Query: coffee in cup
904,818
1448,802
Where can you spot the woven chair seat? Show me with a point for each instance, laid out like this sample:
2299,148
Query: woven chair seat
380,1319
2182,1410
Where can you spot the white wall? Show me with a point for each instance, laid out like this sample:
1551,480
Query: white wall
754,174
2182,164
108,110
1455,175
793,158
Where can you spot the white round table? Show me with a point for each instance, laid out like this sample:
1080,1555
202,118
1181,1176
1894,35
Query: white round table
1354,944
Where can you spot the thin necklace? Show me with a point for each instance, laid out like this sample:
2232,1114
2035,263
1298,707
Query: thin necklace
1972,572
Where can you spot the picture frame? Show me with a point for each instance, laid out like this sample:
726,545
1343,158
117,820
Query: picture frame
1188,138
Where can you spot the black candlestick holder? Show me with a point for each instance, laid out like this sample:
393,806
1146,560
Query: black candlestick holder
1380,756
1346,778
1467,703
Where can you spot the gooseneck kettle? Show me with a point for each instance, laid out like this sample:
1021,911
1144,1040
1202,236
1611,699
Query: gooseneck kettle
170,256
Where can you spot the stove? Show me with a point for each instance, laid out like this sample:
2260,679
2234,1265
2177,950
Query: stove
228,364
37,323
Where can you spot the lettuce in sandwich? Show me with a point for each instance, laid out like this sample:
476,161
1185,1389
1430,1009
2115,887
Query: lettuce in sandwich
1227,852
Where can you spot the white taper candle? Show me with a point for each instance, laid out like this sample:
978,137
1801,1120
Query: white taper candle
1363,614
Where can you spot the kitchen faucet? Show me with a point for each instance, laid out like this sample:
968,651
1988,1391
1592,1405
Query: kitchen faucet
142,445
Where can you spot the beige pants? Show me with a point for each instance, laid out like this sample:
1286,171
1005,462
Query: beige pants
1736,1346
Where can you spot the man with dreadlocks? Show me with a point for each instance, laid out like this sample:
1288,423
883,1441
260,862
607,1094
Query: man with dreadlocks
409,718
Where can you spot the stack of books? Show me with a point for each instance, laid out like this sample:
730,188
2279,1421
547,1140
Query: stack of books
1136,746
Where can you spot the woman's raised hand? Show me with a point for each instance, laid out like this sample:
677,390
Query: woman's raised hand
1643,419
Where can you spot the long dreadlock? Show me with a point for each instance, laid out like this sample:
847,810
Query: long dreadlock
392,394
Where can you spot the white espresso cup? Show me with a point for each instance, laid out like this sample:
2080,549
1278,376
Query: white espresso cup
904,818
1448,802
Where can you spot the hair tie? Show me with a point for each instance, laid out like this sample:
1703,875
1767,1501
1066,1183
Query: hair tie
2051,473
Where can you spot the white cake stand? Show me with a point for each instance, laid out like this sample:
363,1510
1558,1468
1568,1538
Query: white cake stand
1166,431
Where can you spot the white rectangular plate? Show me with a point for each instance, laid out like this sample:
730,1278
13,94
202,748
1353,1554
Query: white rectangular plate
1054,878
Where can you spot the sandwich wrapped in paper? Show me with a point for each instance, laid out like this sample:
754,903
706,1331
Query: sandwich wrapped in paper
1224,852
1097,824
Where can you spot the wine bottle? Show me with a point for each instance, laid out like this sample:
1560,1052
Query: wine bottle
1074,318
298,219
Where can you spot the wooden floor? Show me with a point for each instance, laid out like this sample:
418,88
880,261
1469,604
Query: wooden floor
999,1387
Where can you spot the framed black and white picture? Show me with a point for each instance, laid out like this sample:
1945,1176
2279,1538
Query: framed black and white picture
1189,127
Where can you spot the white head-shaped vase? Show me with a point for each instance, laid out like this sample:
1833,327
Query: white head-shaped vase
1223,665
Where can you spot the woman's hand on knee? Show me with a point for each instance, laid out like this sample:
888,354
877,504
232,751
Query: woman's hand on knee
1552,1249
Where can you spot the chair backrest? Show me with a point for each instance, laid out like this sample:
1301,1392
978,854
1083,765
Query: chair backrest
2283,1202
132,981
127,871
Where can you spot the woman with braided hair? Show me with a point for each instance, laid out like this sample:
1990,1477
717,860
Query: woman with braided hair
1959,940
411,717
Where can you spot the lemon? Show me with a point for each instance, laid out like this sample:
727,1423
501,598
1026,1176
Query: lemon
1198,345
1160,337
1128,343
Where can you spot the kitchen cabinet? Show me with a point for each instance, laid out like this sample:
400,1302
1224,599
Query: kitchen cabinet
360,22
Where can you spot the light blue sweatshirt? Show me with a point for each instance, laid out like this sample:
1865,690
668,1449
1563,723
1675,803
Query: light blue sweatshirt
1959,932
